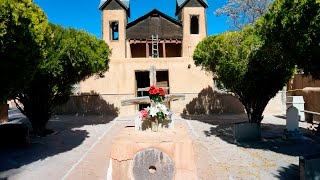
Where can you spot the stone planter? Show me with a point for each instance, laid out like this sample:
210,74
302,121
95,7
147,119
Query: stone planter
246,131
309,167
4,113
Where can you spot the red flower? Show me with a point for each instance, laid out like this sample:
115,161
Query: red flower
153,90
161,92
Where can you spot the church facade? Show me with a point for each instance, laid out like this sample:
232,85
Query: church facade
154,39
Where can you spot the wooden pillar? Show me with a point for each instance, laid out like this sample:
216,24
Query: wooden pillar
147,49
164,49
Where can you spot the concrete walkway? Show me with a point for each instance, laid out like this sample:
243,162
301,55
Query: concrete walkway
81,147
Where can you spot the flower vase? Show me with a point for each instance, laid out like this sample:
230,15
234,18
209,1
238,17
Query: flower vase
154,124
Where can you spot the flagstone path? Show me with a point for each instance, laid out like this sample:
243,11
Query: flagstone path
80,149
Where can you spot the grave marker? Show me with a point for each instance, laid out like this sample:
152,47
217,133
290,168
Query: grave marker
292,124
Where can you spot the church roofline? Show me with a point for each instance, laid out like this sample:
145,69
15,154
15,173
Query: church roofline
181,3
153,12
125,4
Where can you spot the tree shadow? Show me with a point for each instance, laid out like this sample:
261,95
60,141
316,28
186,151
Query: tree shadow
87,104
291,172
222,127
213,102
70,133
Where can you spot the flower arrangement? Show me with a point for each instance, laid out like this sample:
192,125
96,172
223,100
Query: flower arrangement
156,95
158,113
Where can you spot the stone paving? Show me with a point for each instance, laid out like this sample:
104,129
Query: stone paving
81,148
272,158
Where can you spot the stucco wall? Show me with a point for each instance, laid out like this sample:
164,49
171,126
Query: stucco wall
309,88
277,105
300,81
118,47
190,41
120,83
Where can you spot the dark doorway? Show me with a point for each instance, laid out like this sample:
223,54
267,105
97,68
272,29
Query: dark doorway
142,81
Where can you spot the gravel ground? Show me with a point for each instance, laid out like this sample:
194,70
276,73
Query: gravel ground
217,155
54,157
272,158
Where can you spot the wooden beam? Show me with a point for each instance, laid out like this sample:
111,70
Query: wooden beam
146,99
153,75
174,97
135,41
137,100
164,49
147,88
147,50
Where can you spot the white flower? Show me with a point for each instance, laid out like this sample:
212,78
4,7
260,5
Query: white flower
153,111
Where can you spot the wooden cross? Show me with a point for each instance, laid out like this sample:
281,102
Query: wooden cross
153,75
146,99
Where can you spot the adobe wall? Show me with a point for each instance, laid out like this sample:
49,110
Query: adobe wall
190,41
301,81
277,105
118,47
119,83
309,88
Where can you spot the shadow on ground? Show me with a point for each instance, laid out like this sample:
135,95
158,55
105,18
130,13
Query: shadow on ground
291,172
222,127
69,136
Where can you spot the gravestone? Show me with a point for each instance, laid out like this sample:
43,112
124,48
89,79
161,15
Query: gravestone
298,102
292,124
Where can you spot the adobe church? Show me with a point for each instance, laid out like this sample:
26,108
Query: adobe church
154,39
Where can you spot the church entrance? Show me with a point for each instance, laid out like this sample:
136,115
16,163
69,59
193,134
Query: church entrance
142,81
143,84
163,81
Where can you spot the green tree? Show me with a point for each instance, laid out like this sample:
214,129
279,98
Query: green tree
73,56
247,67
295,26
22,40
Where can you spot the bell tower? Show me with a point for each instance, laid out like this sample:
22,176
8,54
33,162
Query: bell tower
192,13
115,15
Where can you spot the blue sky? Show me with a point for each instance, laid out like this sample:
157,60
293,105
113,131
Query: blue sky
84,14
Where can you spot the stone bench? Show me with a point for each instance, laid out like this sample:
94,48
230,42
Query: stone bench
309,167
13,134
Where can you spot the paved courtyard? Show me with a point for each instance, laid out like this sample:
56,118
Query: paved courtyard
80,149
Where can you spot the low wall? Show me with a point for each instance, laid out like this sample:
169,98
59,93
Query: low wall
277,105
207,101
87,104
300,81
309,88
210,101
